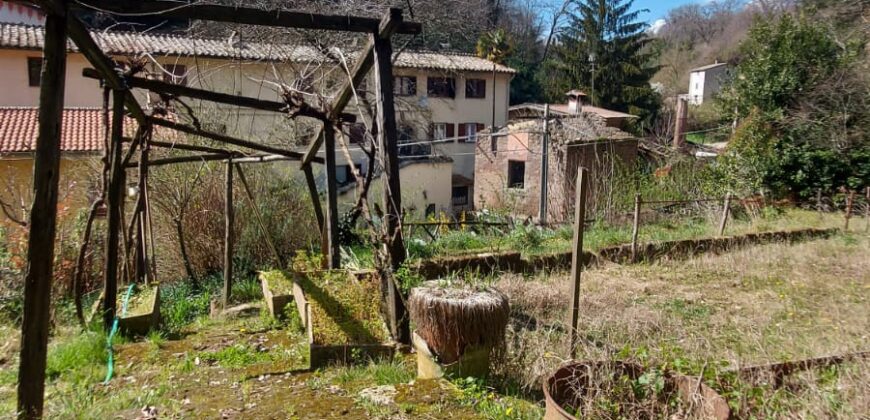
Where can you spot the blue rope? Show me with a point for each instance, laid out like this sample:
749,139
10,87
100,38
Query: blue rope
111,363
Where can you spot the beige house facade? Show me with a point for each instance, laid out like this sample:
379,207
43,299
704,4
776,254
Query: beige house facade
443,99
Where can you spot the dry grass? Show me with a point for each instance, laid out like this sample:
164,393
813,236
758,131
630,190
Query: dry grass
714,313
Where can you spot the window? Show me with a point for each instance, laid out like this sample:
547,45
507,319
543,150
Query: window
439,131
468,131
516,174
34,68
175,74
441,87
475,88
442,131
460,195
405,86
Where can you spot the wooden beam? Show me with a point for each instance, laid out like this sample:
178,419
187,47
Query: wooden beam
262,159
80,35
392,204
259,217
228,237
226,139
315,196
243,15
173,89
386,28
182,146
114,203
333,248
43,218
582,185
183,159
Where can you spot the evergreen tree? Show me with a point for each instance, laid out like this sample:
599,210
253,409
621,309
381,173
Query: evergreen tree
608,32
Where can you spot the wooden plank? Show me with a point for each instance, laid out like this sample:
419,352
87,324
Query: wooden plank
333,248
386,29
228,236
43,218
392,199
244,15
577,255
226,139
114,203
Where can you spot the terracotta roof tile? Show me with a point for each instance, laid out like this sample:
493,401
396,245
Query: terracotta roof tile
82,129
21,36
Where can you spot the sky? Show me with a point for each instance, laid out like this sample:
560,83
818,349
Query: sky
658,9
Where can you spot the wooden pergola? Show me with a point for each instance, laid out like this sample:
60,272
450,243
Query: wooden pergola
61,25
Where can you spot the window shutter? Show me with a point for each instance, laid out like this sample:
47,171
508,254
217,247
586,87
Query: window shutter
431,134
449,130
480,127
462,132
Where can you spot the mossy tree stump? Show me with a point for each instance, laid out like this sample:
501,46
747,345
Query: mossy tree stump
457,326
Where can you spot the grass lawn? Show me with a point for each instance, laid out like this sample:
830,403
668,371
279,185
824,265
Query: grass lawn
756,305
708,314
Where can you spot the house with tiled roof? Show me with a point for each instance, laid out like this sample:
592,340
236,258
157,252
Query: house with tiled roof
441,96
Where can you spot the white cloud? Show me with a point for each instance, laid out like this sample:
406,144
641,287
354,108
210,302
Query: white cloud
657,26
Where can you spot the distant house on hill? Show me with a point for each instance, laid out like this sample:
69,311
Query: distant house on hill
705,81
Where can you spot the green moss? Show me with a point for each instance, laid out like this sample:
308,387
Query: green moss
141,301
280,282
343,310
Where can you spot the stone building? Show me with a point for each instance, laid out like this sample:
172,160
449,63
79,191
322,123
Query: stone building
508,164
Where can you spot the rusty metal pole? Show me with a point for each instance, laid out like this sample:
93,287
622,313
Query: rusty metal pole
635,228
577,256
725,210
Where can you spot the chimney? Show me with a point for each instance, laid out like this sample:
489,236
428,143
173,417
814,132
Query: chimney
576,100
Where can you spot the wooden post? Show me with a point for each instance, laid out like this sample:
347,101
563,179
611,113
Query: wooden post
850,201
577,256
635,229
680,123
43,218
388,139
228,235
545,165
114,202
142,224
333,246
726,208
315,197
